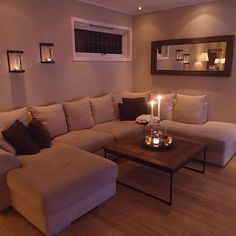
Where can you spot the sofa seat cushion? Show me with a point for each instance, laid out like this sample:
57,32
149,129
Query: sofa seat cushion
220,136
45,153
86,139
59,180
118,128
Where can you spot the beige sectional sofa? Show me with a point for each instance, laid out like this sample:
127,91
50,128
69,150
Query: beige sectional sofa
63,182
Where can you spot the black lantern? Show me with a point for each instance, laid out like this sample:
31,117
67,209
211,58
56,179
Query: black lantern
186,59
46,53
14,58
179,55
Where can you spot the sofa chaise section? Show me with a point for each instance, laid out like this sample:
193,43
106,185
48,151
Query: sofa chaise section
8,162
60,185
219,136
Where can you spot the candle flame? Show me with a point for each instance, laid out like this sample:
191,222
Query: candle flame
159,97
152,103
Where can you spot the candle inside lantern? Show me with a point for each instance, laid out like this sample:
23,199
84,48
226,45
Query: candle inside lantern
159,97
152,109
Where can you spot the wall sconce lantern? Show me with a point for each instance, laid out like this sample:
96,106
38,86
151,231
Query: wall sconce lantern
14,58
179,55
186,59
46,53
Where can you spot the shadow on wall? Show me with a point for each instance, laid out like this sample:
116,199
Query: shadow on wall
18,90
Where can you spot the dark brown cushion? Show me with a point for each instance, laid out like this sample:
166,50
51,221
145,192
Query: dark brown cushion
19,137
136,100
39,133
131,110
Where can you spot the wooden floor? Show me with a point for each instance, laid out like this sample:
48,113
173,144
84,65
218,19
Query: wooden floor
202,205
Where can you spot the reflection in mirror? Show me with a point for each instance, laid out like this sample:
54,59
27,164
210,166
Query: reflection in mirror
197,56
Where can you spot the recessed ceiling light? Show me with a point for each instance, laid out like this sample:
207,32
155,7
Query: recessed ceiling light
140,8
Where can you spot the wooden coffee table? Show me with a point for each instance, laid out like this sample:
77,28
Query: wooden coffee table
170,160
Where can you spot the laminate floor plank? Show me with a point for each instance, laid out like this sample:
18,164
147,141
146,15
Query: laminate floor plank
203,205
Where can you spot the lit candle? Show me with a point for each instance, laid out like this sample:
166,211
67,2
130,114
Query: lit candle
49,59
159,97
152,108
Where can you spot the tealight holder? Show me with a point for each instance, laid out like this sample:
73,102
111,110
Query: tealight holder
46,53
14,58
158,137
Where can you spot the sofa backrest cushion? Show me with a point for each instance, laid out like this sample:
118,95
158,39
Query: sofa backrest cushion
9,117
19,137
190,109
40,134
167,105
78,114
6,120
52,117
145,94
102,109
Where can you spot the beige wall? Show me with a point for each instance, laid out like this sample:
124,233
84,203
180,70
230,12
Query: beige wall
198,21
26,23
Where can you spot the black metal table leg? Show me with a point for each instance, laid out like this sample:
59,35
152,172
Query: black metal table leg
171,189
169,201
203,164
204,161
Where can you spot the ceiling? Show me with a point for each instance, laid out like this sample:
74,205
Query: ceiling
131,6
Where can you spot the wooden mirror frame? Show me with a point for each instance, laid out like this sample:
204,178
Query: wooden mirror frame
229,39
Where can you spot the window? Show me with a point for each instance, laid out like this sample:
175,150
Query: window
95,41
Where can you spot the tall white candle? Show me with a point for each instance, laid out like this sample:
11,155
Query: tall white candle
152,108
159,97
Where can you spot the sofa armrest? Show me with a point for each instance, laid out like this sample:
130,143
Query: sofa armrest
7,162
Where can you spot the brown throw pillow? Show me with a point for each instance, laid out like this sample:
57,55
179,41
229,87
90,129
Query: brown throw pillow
131,110
19,137
137,100
39,133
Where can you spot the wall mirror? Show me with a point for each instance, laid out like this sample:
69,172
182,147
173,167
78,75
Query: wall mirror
206,56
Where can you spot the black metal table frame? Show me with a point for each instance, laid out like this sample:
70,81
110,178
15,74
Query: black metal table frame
171,173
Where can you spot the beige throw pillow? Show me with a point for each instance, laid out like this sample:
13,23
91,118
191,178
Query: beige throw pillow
167,105
78,114
190,109
6,120
102,109
52,117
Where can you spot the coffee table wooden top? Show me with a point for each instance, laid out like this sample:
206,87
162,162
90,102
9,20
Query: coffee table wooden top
169,160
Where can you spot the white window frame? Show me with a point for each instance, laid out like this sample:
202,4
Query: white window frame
126,33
